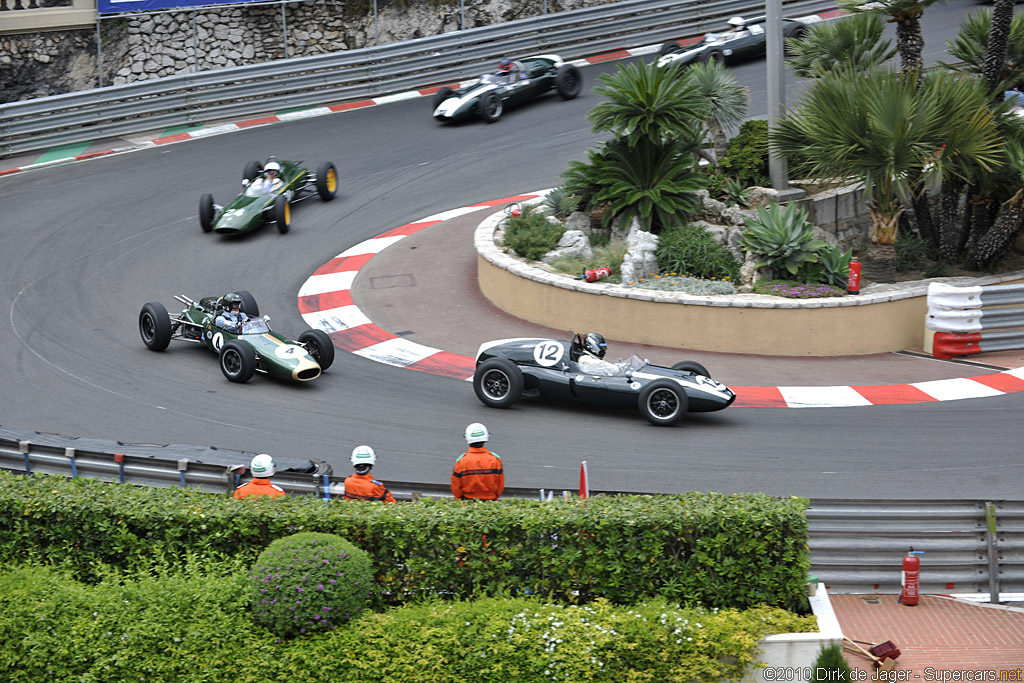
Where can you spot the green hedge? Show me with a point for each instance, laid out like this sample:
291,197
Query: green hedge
699,549
195,626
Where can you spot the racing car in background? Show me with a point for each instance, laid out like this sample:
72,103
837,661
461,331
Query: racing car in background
256,206
488,98
745,38
244,351
510,369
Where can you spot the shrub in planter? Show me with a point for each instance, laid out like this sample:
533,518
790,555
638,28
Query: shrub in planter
830,665
746,156
530,234
309,582
690,250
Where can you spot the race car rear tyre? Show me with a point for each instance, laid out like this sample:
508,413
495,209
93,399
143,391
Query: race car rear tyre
489,107
155,326
795,32
440,96
668,48
237,361
498,383
568,82
282,214
713,56
320,346
691,366
251,170
327,181
206,212
249,305
662,402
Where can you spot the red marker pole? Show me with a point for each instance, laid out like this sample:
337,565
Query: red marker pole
584,484
853,281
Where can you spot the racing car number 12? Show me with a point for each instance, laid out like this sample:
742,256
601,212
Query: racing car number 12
547,353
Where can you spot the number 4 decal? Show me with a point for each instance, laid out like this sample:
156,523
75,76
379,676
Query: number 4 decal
547,353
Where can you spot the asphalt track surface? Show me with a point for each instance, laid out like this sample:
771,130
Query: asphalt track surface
85,245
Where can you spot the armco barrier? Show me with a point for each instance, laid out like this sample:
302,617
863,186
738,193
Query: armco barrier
970,320
358,74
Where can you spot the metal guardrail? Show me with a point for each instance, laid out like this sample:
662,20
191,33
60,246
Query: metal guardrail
968,546
971,320
358,74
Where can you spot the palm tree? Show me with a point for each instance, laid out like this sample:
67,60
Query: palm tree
854,41
726,100
645,102
995,57
876,128
906,14
971,47
989,246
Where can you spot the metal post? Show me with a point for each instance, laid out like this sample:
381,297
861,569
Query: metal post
777,167
284,24
376,27
99,51
195,45
993,553
462,13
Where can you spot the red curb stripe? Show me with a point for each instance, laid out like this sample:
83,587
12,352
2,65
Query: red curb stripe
759,397
258,122
896,393
9,170
447,364
93,155
351,105
407,229
506,200
341,264
314,303
1002,382
832,14
358,338
172,138
434,89
621,54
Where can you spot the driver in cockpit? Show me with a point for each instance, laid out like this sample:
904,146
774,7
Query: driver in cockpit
231,317
592,362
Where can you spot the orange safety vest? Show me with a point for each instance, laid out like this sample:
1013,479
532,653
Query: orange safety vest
365,487
478,474
259,487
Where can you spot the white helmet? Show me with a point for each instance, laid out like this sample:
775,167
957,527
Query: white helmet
736,22
262,466
475,433
272,166
363,455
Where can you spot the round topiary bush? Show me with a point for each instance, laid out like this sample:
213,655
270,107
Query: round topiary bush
309,582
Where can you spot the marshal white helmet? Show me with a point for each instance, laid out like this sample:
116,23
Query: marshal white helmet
262,466
475,433
272,166
363,455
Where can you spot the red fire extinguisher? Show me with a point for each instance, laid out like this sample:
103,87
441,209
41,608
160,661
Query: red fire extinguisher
595,274
853,281
911,578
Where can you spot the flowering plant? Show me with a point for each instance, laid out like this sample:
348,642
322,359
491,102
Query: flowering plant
309,582
796,290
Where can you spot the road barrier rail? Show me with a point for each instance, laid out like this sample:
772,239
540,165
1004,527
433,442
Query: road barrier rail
972,320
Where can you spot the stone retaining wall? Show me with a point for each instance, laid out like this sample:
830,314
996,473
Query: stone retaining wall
154,45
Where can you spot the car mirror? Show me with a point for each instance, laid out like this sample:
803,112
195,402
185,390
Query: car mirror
267,318
245,182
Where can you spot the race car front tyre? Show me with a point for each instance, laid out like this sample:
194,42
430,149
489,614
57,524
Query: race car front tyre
691,366
489,107
713,56
320,346
282,214
155,326
237,361
206,212
568,82
440,96
327,181
498,383
249,305
662,402
668,48
251,170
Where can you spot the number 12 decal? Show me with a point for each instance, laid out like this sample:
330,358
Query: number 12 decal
547,353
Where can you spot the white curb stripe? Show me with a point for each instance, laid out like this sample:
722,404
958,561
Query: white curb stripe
397,351
955,389
371,246
336,319
822,397
328,282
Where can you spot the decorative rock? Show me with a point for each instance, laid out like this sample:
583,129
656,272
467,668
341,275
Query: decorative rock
574,243
762,196
734,215
578,220
639,260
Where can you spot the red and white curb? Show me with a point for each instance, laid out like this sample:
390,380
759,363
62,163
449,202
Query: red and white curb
325,302
314,112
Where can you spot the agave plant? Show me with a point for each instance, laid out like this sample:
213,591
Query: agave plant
560,203
781,237
835,265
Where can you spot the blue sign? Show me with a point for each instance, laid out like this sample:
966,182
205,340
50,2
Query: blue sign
119,6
